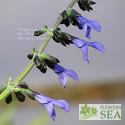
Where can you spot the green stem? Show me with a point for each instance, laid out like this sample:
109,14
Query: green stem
43,45
4,94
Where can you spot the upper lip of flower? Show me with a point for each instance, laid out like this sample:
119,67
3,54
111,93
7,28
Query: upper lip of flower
42,99
58,69
79,42
84,23
81,20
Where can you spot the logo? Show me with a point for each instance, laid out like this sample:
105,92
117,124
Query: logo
99,111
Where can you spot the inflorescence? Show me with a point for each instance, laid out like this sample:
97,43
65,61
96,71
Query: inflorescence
43,61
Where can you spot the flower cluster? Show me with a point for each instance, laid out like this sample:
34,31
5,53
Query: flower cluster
44,61
76,19
70,16
47,102
79,43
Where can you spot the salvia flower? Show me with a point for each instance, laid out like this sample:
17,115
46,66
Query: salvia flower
63,73
81,22
84,46
43,60
85,5
87,25
49,104
80,44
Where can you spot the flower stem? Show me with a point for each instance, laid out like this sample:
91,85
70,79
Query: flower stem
43,45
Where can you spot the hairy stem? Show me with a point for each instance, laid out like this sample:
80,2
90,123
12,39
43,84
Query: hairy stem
43,45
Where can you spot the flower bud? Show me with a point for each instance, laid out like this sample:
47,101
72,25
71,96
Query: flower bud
85,5
8,100
20,96
43,60
61,37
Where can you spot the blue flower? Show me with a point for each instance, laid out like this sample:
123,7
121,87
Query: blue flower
84,46
63,73
76,19
87,25
49,104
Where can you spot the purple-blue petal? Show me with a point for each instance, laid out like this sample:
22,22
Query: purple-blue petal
53,114
95,25
71,74
58,69
62,104
62,79
78,42
50,110
41,99
81,20
86,25
85,53
49,104
97,46
87,30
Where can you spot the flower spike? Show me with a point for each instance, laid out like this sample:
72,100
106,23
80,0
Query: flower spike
43,61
